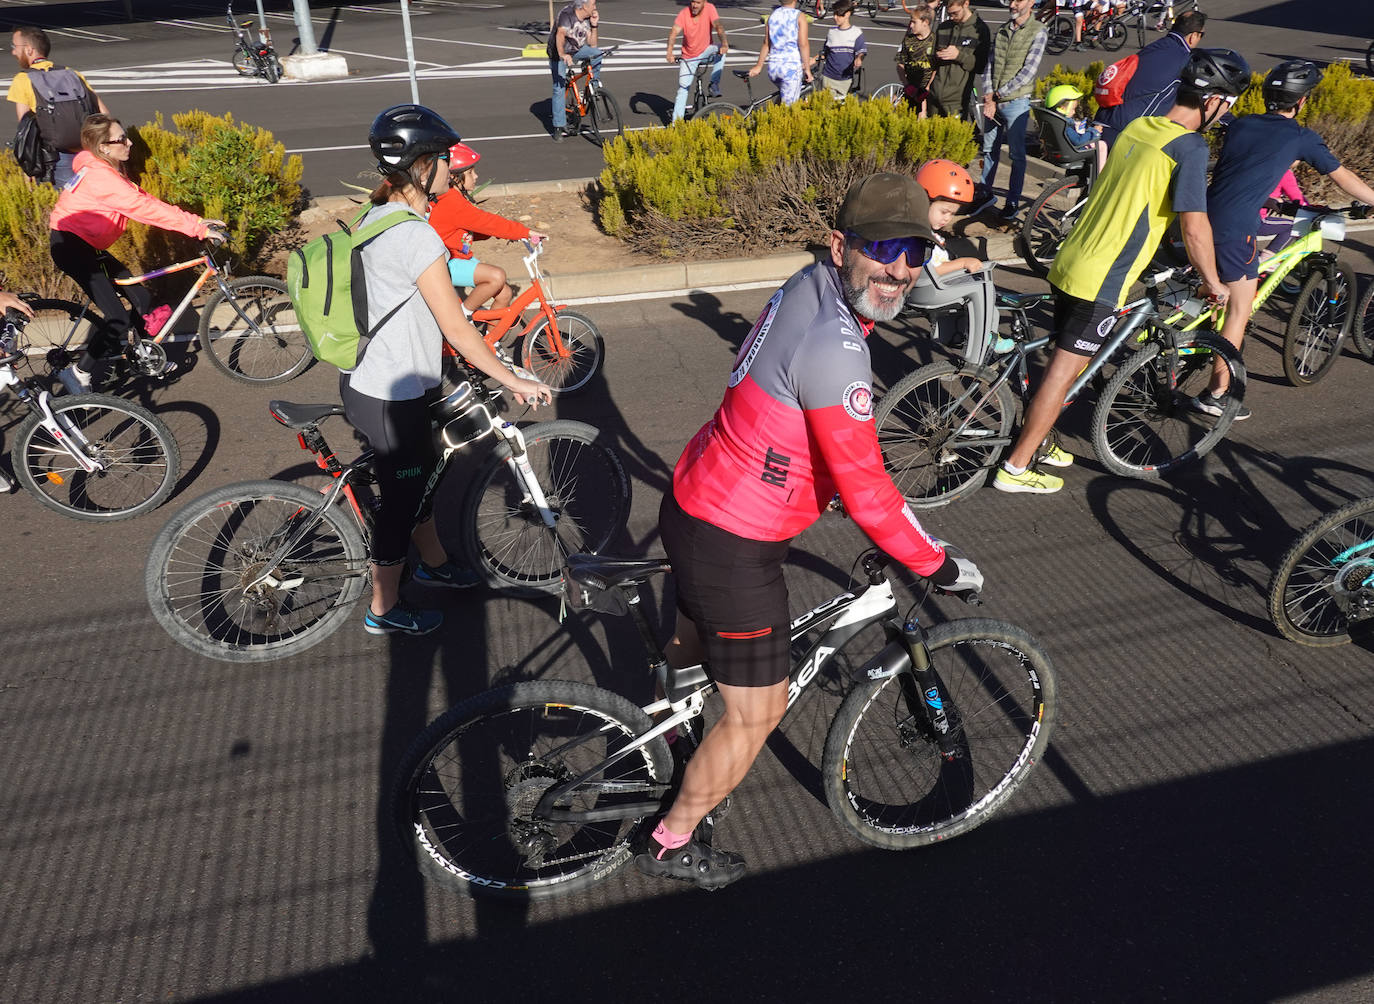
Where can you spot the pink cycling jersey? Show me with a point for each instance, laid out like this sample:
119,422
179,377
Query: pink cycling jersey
795,427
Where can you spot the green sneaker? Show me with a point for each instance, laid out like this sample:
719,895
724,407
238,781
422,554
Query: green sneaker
1030,480
1055,456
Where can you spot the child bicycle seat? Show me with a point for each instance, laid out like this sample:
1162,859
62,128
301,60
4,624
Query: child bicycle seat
1056,148
970,295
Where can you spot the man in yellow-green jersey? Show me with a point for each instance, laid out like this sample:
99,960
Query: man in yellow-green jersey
1157,170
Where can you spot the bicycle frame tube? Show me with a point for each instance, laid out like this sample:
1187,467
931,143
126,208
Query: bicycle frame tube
330,495
1273,272
185,300
501,321
1133,317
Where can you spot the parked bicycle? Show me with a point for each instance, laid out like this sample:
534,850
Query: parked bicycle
248,327
254,57
561,347
590,107
1323,588
537,789
1102,28
89,456
943,428
729,108
266,569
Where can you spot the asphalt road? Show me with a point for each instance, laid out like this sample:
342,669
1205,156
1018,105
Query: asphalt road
181,829
471,70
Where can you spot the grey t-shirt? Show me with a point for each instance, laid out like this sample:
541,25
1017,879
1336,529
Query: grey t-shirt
403,359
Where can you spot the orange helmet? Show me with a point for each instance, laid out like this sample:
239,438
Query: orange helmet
944,179
461,157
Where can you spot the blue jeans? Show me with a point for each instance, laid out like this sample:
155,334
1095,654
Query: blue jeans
1010,124
62,171
560,72
686,70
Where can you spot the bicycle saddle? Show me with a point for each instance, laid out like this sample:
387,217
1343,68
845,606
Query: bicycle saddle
603,572
302,416
742,74
1006,298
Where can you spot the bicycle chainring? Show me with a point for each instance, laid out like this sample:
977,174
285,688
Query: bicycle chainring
148,359
58,358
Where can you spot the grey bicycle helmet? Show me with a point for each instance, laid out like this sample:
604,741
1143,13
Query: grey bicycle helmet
403,133
1289,82
1212,72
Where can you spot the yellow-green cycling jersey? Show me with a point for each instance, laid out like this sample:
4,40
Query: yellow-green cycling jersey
1156,169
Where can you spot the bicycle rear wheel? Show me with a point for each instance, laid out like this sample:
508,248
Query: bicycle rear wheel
1144,428
1059,34
1362,327
271,67
917,421
203,567
1325,581
59,328
1113,34
891,93
464,797
1049,221
1323,314
569,365
604,117
255,337
136,455
885,778
585,486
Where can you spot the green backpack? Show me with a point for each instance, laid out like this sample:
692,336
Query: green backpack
325,282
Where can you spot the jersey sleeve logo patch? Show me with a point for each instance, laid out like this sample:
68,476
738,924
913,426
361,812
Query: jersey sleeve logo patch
858,401
750,349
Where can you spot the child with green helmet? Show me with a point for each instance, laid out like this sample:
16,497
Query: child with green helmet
1086,137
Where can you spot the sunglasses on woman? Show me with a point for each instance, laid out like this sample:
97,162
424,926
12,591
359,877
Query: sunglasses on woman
916,249
120,141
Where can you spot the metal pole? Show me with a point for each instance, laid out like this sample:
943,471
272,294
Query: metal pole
304,28
262,18
410,51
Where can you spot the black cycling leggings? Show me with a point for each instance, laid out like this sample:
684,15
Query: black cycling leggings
402,442
95,272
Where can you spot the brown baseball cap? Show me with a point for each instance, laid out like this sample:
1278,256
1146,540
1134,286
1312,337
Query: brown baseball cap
883,206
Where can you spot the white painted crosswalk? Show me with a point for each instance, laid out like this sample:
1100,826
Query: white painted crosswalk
191,74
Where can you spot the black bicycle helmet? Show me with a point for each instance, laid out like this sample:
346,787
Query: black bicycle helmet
1214,71
403,133
1289,82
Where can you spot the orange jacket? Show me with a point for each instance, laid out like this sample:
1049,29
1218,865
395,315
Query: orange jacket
99,202
458,222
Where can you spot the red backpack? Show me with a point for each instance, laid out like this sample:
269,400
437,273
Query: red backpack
1110,89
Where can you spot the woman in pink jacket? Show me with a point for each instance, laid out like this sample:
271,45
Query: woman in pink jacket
91,213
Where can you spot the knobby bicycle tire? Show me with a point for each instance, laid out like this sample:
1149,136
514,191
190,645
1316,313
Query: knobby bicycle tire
585,486
272,350
1113,34
884,776
582,352
201,565
245,63
605,117
1059,34
1048,222
1318,585
271,67
916,420
1318,325
1143,429
139,456
463,798
1362,327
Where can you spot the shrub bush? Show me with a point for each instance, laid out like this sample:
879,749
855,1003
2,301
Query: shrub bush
25,263
731,186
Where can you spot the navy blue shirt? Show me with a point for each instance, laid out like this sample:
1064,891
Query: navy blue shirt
1152,88
1258,149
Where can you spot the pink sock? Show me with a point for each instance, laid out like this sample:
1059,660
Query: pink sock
669,840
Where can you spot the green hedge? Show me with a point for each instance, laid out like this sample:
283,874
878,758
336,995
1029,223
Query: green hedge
732,186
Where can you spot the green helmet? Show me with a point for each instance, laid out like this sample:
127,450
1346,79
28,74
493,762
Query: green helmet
1059,94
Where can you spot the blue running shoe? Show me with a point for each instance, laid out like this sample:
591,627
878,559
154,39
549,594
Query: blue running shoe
402,619
449,574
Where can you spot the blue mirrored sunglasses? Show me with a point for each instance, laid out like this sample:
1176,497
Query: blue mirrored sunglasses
916,249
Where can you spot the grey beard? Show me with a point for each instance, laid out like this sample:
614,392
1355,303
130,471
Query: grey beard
861,303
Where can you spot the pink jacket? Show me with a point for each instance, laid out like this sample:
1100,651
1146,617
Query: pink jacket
99,202
1287,190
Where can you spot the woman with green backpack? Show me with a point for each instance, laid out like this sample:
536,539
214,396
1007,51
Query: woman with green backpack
412,308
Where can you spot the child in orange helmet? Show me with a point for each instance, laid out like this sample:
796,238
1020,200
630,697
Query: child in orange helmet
950,189
459,223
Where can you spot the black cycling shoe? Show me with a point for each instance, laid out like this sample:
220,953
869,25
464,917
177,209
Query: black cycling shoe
695,862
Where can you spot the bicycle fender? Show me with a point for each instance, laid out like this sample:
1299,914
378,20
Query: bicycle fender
893,659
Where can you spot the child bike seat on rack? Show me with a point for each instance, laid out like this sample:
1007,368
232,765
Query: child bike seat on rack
971,292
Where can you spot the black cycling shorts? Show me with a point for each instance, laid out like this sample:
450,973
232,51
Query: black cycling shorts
732,589
1082,326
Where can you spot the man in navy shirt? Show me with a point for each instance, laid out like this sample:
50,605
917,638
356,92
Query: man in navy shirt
1151,89
1257,151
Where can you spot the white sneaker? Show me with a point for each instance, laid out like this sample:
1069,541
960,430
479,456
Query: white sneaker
74,380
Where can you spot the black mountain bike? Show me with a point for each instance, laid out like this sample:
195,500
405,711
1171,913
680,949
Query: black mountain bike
253,57
1324,586
537,789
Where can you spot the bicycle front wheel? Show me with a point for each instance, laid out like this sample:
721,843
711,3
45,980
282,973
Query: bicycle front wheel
1048,222
271,67
1318,325
465,796
211,588
136,456
941,430
254,336
567,358
586,490
885,777
245,64
1325,581
1113,35
1059,35
893,94
1362,328
1144,425
604,117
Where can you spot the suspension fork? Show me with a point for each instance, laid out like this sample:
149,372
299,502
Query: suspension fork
921,689
70,439
523,471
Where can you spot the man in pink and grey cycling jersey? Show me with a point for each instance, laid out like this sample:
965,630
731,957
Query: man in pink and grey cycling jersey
795,428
